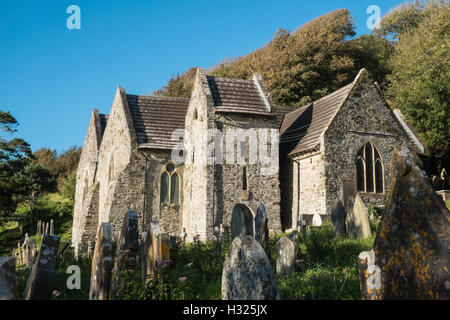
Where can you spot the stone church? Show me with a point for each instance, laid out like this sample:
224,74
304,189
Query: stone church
187,162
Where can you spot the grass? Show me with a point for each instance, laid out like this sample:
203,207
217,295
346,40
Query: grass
448,204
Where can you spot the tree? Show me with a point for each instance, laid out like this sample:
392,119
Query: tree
19,178
420,79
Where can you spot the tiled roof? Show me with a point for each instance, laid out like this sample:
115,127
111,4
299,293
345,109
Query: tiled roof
156,118
280,113
301,129
236,95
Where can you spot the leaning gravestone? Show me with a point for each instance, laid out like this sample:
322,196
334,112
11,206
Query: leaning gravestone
286,255
42,277
126,252
247,272
102,263
7,278
261,226
412,243
357,218
156,250
242,223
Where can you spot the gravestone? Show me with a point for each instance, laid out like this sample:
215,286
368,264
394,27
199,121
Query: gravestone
338,219
369,276
247,272
126,252
261,226
156,251
102,264
286,255
7,278
42,277
357,218
294,235
412,243
242,223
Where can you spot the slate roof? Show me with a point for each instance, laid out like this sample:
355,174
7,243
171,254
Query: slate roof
301,129
280,113
156,118
237,96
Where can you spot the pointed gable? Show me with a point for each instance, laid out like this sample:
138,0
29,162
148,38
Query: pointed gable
301,129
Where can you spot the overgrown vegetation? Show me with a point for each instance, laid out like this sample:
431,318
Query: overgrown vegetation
326,269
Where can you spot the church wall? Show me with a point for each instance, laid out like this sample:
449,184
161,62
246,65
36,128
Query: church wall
85,177
364,117
262,177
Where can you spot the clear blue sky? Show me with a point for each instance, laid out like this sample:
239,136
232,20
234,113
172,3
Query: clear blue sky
52,77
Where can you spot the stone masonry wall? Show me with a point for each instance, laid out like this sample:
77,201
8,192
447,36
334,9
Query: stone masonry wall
262,183
364,117
85,177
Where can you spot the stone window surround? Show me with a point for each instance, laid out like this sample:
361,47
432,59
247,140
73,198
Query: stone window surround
180,188
380,160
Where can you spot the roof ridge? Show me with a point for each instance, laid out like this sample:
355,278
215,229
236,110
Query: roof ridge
158,97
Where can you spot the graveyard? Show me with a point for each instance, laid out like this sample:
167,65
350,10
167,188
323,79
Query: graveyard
314,168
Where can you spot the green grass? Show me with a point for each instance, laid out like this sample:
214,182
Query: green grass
448,204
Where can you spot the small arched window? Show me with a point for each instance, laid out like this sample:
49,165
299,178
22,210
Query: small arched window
170,185
369,170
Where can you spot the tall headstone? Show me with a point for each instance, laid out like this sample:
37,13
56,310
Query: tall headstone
42,278
156,250
357,217
39,228
412,244
126,252
7,278
242,222
102,264
261,225
338,219
247,272
286,255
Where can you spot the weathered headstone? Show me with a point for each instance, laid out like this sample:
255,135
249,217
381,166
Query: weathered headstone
42,277
247,272
242,223
357,218
286,255
39,228
7,278
294,235
261,226
338,219
102,264
412,243
369,276
156,250
317,220
126,252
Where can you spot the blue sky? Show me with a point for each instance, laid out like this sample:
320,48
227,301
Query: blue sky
52,77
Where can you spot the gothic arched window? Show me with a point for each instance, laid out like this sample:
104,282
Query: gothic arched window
369,170
170,185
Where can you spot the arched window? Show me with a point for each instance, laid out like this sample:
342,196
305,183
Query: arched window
369,170
170,185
